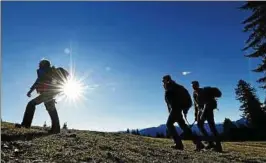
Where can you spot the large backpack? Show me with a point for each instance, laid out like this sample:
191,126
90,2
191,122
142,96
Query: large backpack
184,96
60,75
52,80
187,103
212,92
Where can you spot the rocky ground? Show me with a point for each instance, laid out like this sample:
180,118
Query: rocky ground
35,145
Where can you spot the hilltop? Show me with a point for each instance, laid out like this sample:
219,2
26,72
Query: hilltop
35,145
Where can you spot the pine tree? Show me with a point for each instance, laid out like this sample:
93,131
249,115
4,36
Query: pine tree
137,132
133,132
228,126
128,131
251,106
255,24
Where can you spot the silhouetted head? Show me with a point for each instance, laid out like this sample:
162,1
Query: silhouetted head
167,79
195,85
44,64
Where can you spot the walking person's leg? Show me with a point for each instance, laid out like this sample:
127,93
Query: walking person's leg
30,110
187,131
201,120
51,109
172,118
211,122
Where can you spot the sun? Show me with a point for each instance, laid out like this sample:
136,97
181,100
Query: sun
72,89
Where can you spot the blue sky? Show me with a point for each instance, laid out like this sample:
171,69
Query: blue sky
124,49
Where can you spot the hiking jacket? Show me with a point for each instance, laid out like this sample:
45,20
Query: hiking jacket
174,96
200,99
43,82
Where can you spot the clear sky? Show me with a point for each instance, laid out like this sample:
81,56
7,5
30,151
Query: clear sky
123,49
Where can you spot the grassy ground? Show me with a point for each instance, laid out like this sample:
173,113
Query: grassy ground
35,145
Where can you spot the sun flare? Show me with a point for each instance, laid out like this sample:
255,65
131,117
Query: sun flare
73,89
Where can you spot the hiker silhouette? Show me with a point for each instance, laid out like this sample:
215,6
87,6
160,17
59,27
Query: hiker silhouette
204,104
46,86
178,99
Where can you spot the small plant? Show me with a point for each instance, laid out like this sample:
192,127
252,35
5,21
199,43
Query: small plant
65,126
44,125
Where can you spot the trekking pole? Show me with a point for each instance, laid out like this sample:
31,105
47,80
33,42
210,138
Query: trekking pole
190,126
188,123
203,112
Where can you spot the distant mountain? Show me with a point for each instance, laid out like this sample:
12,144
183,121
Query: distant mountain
152,131
242,121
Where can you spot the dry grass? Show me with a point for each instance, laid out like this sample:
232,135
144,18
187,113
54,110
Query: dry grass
87,146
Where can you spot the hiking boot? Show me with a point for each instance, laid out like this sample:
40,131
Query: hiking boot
210,145
199,146
55,122
179,146
17,125
218,147
28,114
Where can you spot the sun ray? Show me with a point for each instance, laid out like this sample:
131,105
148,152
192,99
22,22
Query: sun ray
73,89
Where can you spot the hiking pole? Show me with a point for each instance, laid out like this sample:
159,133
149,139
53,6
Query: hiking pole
190,126
202,113
188,123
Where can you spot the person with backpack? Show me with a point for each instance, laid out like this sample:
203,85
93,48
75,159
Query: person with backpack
204,103
47,86
178,100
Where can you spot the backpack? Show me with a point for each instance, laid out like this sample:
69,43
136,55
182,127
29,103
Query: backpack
184,96
186,99
212,92
52,79
60,75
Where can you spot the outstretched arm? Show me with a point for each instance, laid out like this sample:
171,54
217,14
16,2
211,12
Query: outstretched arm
33,87
167,103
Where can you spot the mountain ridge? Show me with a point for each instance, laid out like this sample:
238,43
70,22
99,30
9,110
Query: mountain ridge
152,131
